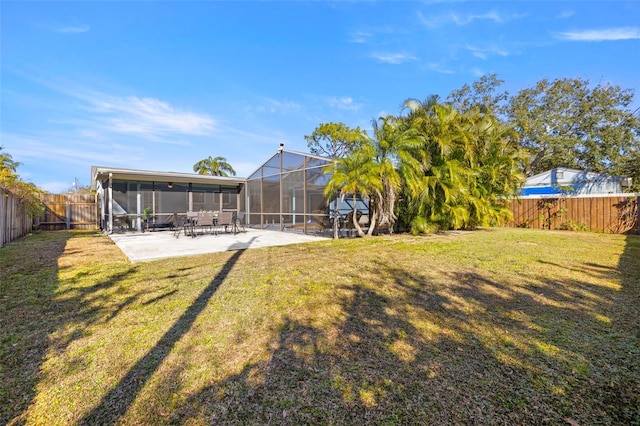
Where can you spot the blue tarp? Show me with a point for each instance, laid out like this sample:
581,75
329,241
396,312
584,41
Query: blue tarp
543,190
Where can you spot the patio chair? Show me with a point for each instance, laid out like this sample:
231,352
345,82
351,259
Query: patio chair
321,220
178,224
205,220
225,220
239,222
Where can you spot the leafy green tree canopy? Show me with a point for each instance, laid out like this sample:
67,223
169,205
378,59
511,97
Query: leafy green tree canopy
10,180
355,174
468,165
335,140
568,123
217,166
8,166
482,94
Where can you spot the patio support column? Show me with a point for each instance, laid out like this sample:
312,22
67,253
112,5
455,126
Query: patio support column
153,203
103,204
95,206
110,195
304,195
261,199
281,194
138,207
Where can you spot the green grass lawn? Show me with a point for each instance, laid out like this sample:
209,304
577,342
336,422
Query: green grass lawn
499,326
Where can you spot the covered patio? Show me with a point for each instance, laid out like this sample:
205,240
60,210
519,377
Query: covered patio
129,199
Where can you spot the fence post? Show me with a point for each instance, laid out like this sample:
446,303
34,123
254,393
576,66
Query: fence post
68,215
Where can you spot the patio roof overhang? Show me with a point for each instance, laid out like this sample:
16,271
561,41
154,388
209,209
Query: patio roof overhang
103,173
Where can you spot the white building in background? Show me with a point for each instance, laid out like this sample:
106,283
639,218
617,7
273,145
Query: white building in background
562,180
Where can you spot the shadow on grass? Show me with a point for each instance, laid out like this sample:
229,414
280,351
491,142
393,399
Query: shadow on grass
410,350
622,393
34,309
415,346
117,401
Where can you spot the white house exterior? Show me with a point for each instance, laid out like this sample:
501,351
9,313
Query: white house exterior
562,180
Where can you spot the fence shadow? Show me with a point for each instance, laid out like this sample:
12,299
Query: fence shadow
117,401
624,394
34,308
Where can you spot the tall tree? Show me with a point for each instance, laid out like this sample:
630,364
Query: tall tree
10,180
394,147
568,123
468,161
353,175
335,140
483,94
217,166
8,166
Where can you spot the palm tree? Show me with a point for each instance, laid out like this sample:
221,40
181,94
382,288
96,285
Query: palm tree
356,174
470,161
217,166
435,188
394,146
8,167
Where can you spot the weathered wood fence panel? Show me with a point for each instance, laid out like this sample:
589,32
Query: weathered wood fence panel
67,211
15,221
609,214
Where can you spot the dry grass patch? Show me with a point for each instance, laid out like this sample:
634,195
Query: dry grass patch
490,327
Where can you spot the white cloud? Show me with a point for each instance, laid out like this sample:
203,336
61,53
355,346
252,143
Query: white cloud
439,67
477,72
77,29
462,18
148,116
611,34
484,53
345,103
45,146
360,37
145,117
393,58
277,106
466,19
565,14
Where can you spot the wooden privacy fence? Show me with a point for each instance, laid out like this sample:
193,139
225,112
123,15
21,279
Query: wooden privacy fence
67,211
15,221
616,214
611,214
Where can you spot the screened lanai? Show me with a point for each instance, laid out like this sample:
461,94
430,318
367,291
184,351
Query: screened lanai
125,195
286,193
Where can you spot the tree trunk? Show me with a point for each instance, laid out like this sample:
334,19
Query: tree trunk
336,218
356,224
373,214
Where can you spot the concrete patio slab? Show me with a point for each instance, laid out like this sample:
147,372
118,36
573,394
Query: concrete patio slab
139,247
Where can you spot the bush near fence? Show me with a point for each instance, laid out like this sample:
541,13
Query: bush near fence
67,211
15,221
611,214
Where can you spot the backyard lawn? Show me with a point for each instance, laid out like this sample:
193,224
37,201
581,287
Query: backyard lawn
497,326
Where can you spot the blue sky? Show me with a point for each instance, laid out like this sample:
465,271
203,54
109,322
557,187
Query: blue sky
162,85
